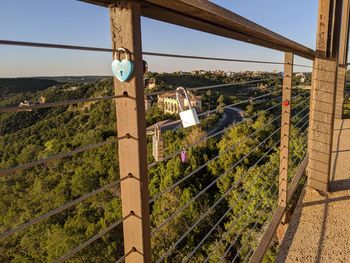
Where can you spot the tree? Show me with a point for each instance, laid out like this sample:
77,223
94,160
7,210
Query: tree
221,104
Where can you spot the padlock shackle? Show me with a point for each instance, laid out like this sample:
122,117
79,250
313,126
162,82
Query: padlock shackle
178,90
122,50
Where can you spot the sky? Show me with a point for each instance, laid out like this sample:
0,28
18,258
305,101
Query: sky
75,23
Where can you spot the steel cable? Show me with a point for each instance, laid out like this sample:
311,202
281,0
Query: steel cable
122,259
214,86
208,211
211,160
212,136
225,107
57,210
220,220
246,225
59,156
226,233
215,134
296,124
92,239
97,49
56,104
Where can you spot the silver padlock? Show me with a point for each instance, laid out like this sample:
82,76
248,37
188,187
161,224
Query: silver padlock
188,117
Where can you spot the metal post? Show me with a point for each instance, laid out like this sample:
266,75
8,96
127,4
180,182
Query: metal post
285,129
343,54
323,88
130,112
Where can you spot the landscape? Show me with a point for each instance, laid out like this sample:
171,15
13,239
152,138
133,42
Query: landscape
228,116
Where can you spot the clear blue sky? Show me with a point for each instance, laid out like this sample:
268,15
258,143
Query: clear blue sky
77,23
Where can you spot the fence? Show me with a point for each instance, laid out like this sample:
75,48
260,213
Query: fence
223,204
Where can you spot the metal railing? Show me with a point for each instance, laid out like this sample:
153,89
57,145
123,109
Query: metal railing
227,237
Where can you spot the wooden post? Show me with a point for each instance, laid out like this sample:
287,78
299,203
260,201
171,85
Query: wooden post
285,131
285,128
343,54
130,111
323,88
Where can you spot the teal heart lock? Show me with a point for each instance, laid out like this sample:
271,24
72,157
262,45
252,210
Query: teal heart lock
122,69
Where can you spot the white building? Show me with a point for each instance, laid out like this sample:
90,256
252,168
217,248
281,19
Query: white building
169,104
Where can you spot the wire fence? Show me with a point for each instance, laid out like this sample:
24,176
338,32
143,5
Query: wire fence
92,239
299,108
299,123
111,51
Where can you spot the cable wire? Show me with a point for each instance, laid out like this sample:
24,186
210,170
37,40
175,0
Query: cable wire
211,136
208,211
57,210
228,231
300,103
97,49
246,225
302,127
55,104
306,115
122,259
220,220
225,107
242,102
233,224
296,115
238,252
59,156
300,94
214,86
92,239
211,160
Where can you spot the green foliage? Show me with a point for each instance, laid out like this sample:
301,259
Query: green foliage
247,170
17,85
155,114
29,136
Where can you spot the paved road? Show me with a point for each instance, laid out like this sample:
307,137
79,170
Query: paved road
232,115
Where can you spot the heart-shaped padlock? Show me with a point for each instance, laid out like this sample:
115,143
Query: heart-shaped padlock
122,69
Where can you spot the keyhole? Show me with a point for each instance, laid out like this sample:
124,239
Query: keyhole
121,73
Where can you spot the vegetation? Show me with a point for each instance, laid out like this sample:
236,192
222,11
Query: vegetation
9,85
249,188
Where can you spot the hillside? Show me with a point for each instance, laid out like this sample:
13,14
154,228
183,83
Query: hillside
17,85
29,136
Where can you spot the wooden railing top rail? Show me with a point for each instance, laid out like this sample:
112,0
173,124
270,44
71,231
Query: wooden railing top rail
211,18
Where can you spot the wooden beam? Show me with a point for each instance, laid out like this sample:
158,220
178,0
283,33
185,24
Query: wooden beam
130,112
223,18
208,17
343,55
285,128
172,17
323,90
344,34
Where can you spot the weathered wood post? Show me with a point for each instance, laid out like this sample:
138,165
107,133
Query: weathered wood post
343,55
323,89
130,112
285,128
285,132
